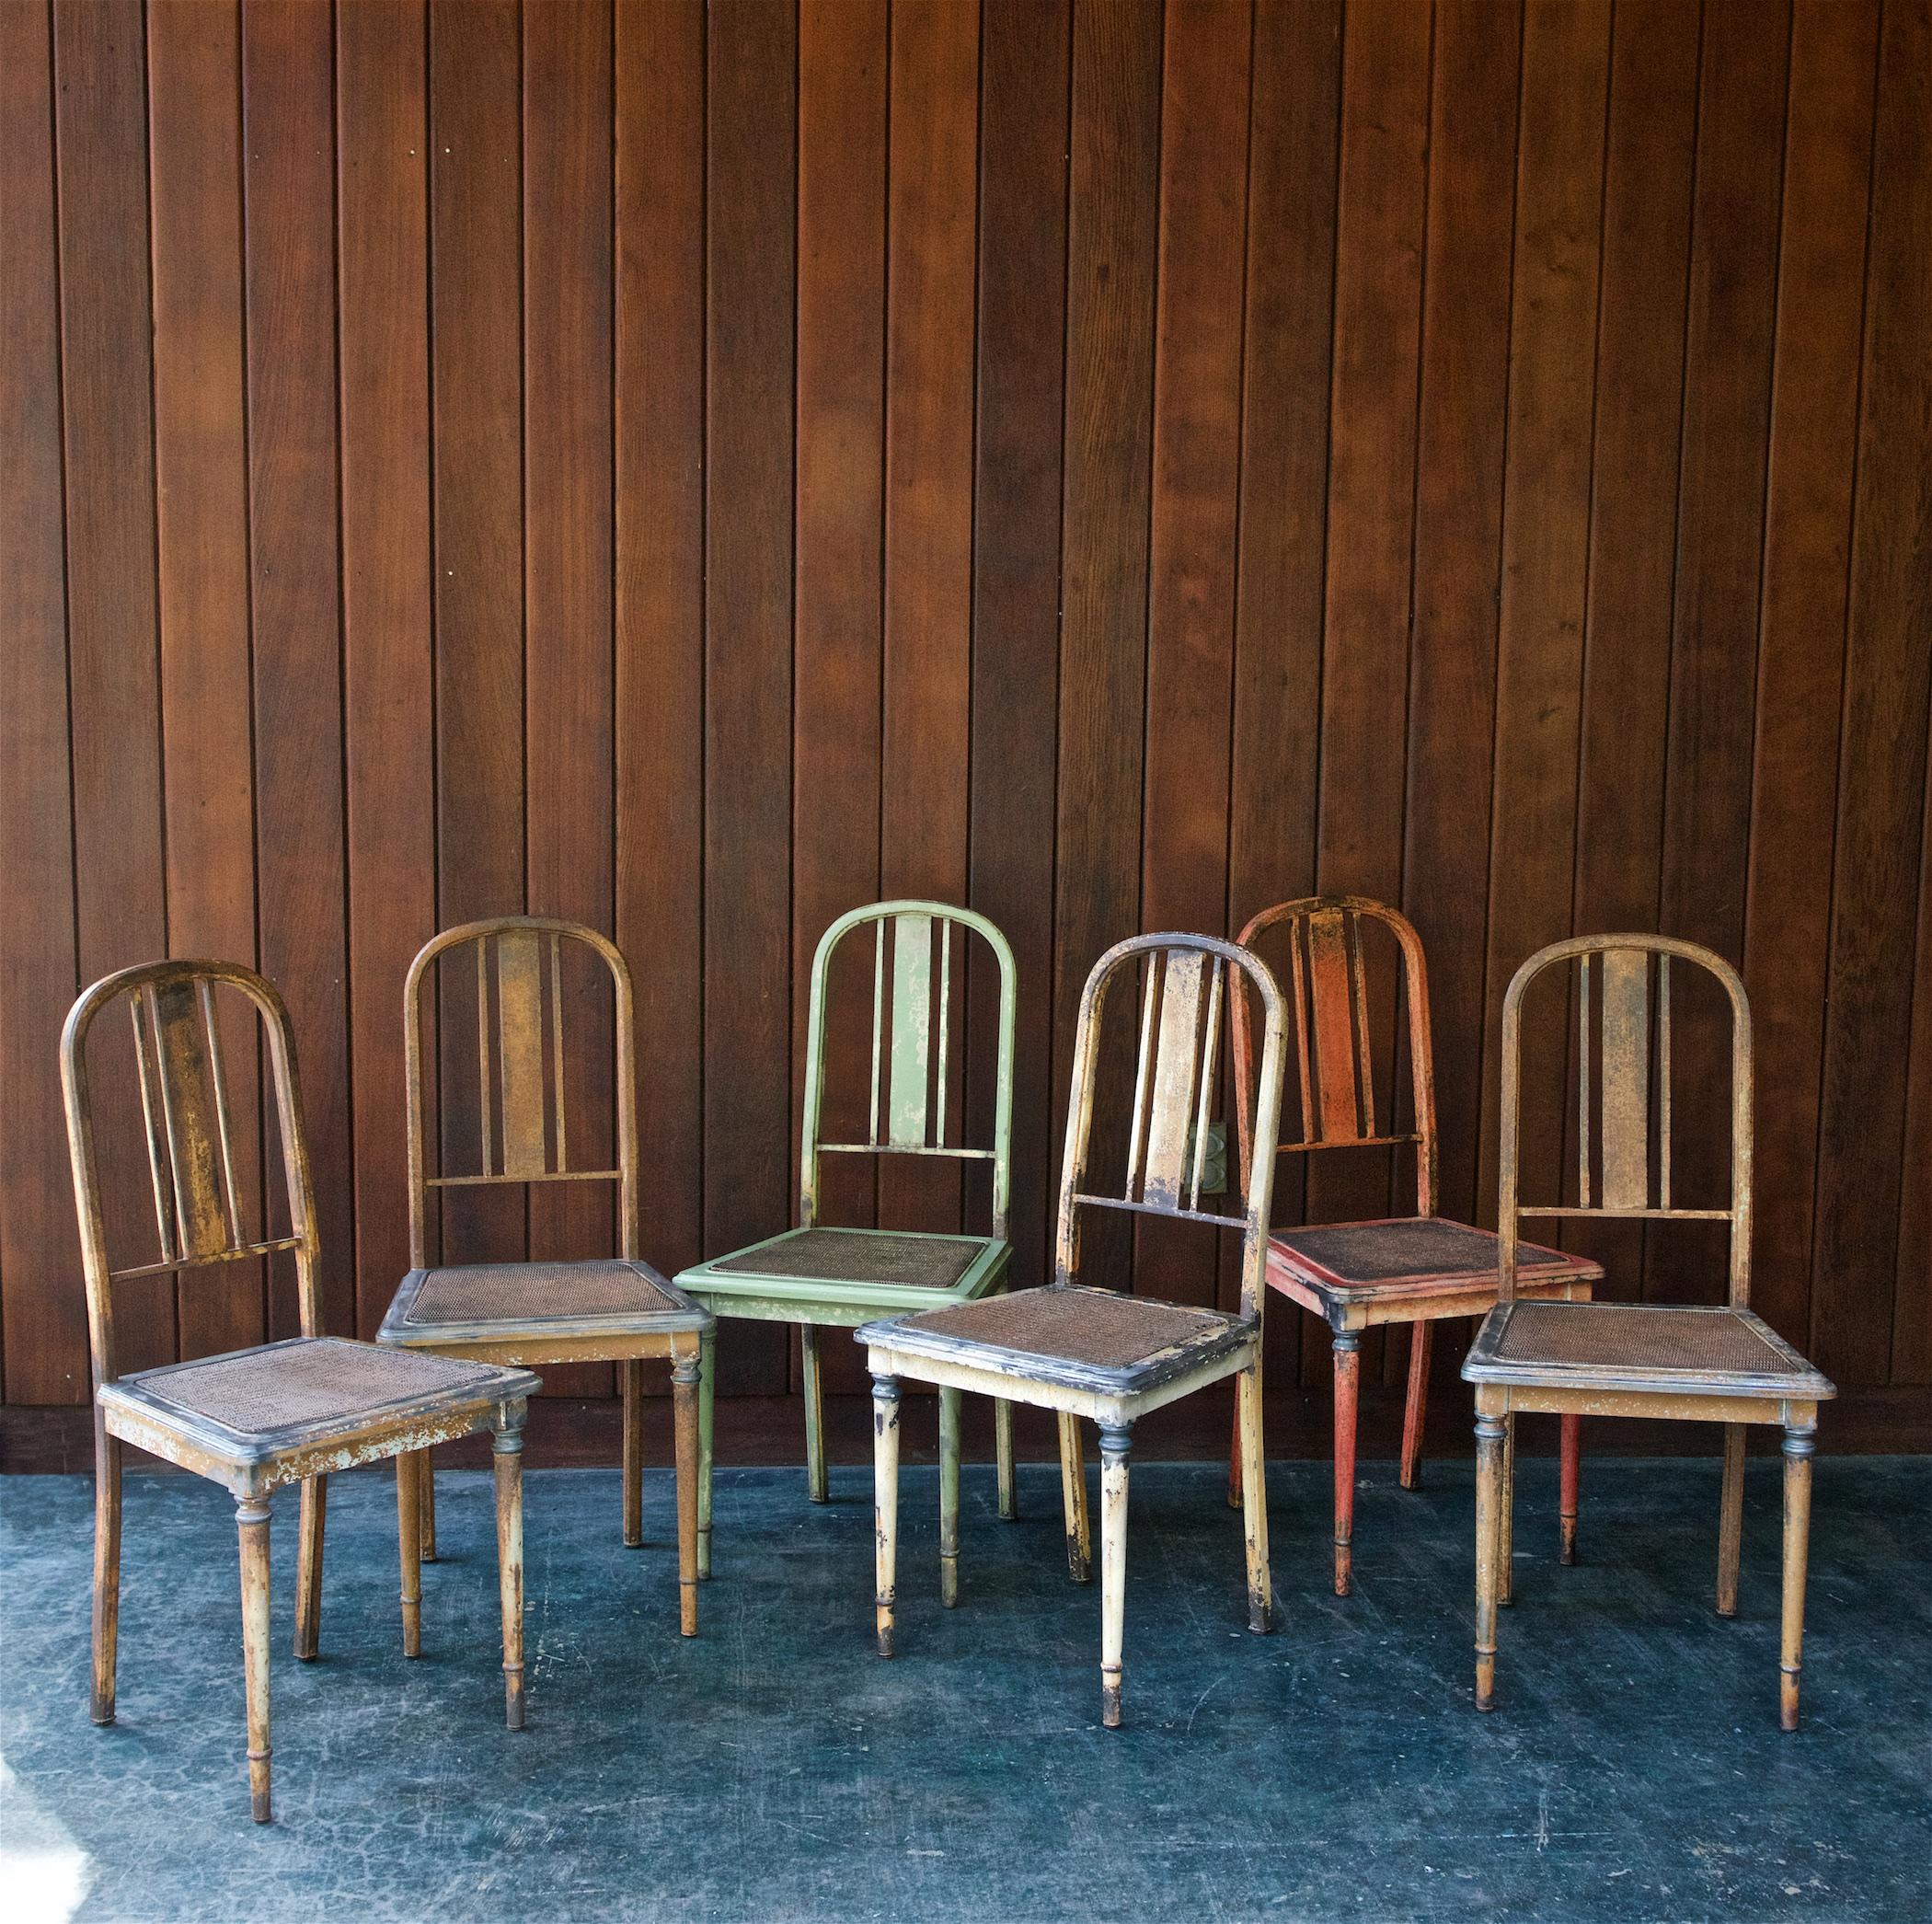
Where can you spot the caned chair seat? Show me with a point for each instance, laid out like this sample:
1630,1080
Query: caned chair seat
260,1413
499,1301
1337,1267
888,1267
1690,1349
1081,1337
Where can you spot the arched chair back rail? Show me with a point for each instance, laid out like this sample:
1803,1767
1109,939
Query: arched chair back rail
916,956
1708,1364
1082,1349
608,1310
1417,1270
254,1420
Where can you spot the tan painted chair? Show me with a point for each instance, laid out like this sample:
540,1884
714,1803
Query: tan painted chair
1636,1359
1094,1353
283,1413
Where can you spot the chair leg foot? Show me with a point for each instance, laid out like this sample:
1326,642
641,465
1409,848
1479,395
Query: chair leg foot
885,1507
1003,1458
1415,1408
707,1400
1254,1500
1072,1497
308,1567
1798,1446
427,1533
948,1497
1114,1442
1569,1480
684,1401
251,1517
1731,1520
409,1534
1489,1535
630,1375
1348,1382
106,1570
817,1488
507,1454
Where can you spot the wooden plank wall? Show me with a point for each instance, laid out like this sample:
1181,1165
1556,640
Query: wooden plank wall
697,468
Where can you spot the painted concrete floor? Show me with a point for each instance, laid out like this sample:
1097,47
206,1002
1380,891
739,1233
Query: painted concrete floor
773,1769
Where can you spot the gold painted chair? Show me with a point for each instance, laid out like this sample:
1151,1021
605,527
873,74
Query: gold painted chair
817,1276
1092,1352
1416,1270
256,1419
606,1311
1685,1361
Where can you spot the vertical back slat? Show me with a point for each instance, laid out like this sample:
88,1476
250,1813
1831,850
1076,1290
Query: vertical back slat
212,1030
945,1018
1142,1068
519,1052
140,1006
1663,1084
1171,1103
1626,1079
1209,1054
1582,1082
912,1029
1310,1122
1331,998
878,1020
557,1044
483,1113
1357,1010
182,1062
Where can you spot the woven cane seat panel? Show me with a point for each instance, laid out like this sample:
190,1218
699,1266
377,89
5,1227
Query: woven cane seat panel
324,1380
538,1292
850,1256
1634,1336
1094,1327
1365,1253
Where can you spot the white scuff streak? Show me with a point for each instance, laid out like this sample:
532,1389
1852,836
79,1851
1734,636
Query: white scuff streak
44,1868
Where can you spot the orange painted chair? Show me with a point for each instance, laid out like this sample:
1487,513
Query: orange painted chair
1415,1270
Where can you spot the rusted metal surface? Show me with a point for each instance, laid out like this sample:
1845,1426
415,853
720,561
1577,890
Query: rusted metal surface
1691,1362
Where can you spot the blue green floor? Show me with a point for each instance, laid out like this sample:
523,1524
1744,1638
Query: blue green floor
775,1768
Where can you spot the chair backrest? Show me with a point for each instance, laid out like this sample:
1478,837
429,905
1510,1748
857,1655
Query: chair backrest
1182,991
1623,1165
185,1112
521,1024
1334,1049
912,1034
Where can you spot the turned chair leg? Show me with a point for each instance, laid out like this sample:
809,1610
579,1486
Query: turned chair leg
1234,1454
816,1486
1731,1520
408,1527
885,1506
949,1496
1489,1536
1114,1567
1415,1410
1003,1457
507,1454
1072,1499
425,1526
685,1425
1348,1382
1254,1484
308,1567
707,1397
1506,1520
630,1376
1799,1444
1569,1478
251,1516
106,1568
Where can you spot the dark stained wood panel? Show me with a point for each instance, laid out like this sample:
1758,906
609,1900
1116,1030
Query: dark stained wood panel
1116,463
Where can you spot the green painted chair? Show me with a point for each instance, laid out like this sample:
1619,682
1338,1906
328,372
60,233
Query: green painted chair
818,1275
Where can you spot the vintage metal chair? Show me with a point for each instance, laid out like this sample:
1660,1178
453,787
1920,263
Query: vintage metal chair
290,1412
1415,1270
1637,1359
818,1276
604,1310
1091,1352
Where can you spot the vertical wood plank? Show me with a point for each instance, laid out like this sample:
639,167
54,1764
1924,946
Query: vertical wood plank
112,618
1546,525
659,393
201,492
1292,176
750,237
1195,521
1800,662
843,57
1024,53
476,394
1714,645
1113,203
1910,1359
388,605
293,501
932,204
1639,405
1883,766
569,801
43,1330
